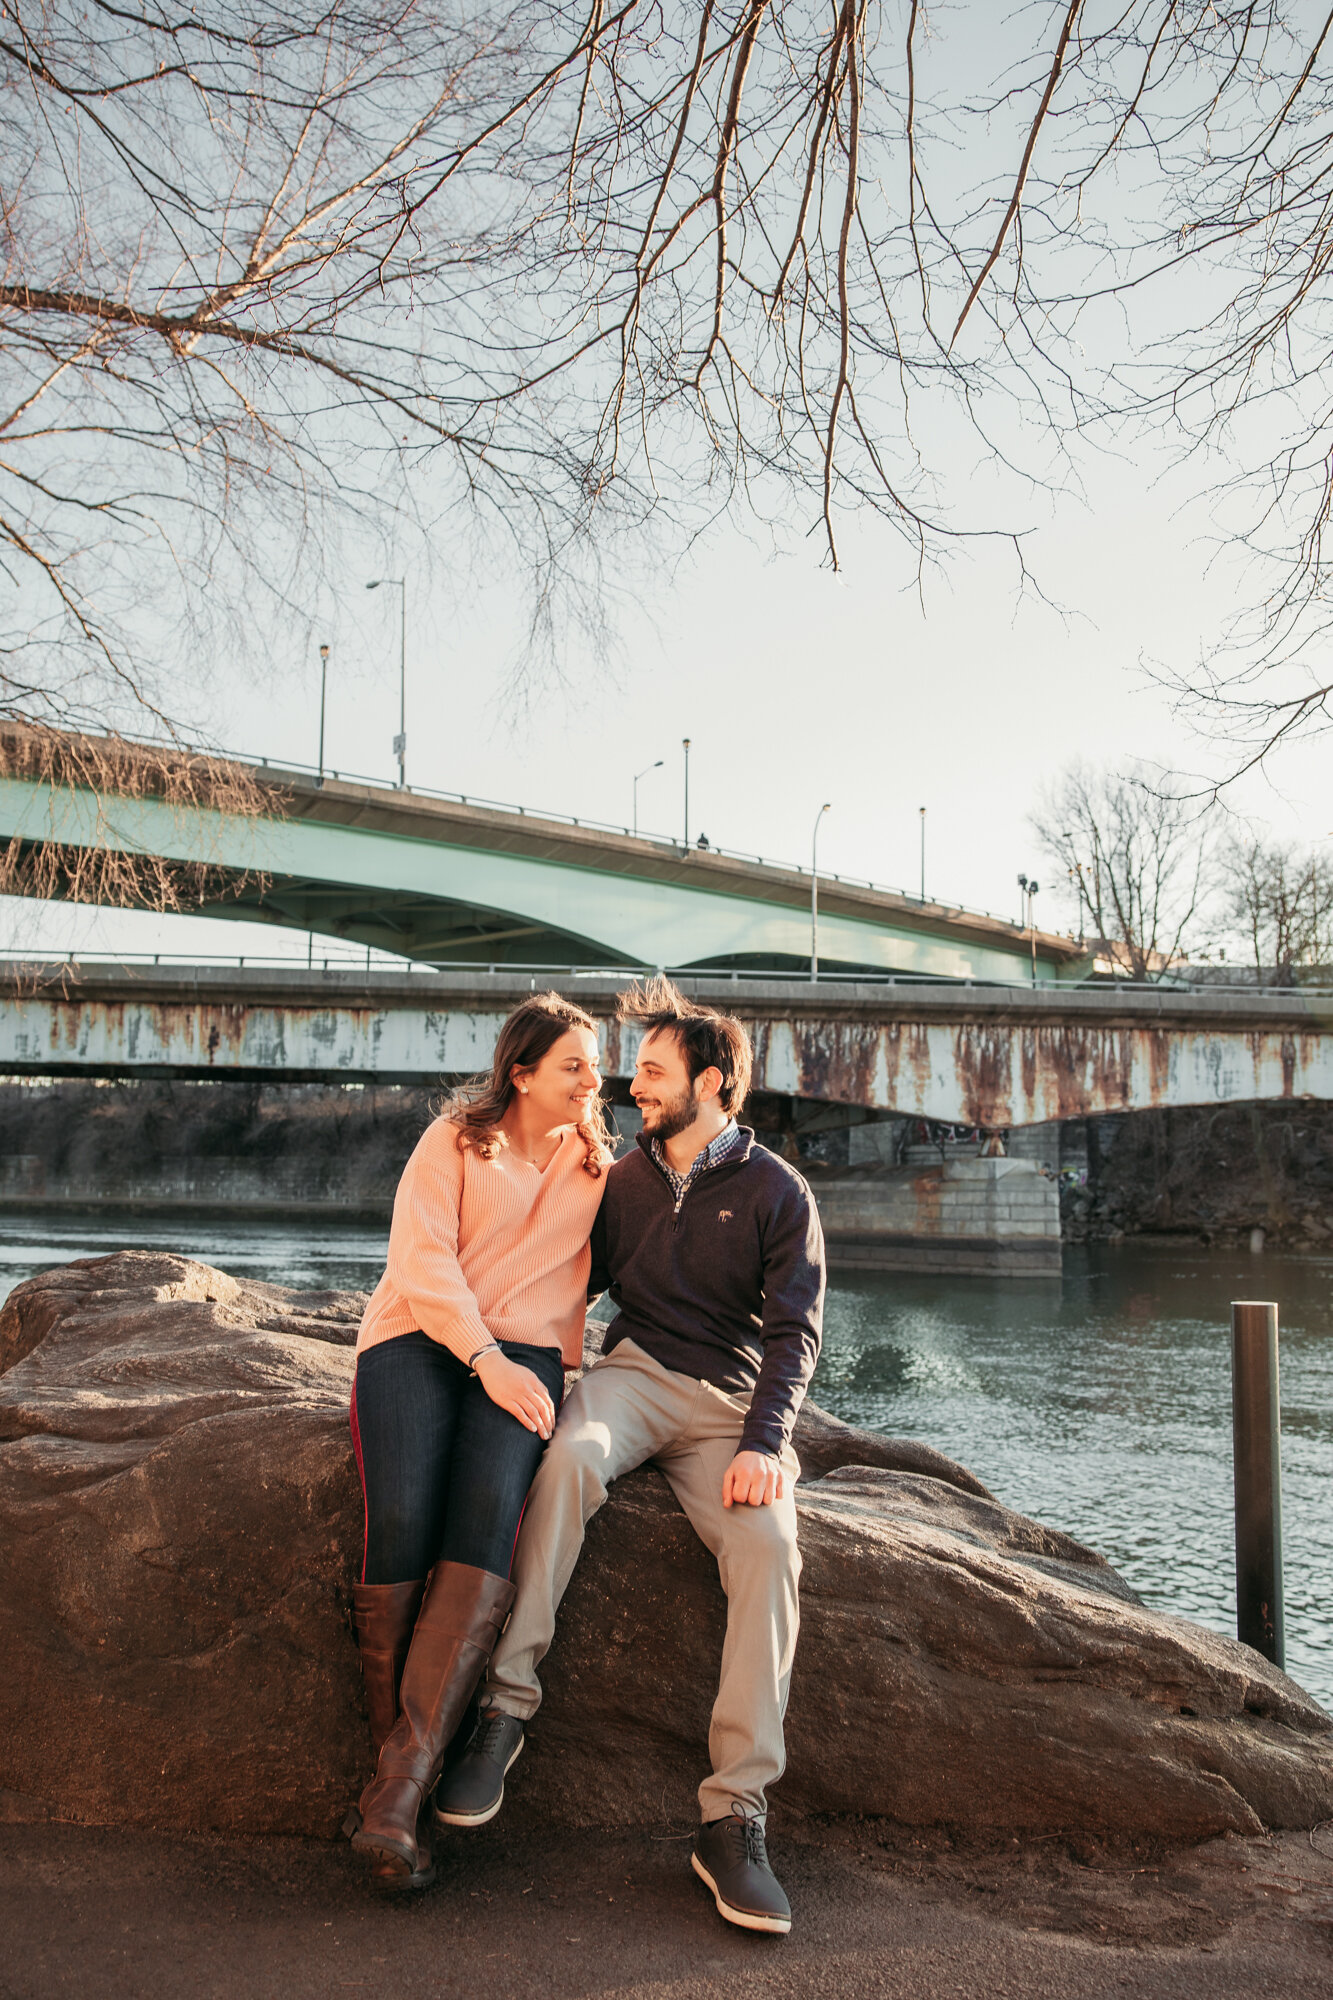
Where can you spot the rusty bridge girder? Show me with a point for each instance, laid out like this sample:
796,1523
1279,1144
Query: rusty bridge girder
976,1055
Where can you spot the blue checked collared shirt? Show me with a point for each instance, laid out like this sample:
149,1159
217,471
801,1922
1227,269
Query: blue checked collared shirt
712,1155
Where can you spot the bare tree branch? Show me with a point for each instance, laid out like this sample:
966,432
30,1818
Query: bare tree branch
573,271
1015,199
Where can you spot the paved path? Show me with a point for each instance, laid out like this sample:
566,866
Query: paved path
118,1915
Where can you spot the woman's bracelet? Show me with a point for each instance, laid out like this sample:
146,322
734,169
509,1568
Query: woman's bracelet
494,1348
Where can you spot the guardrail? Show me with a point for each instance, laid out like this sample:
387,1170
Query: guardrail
629,833
276,766
357,959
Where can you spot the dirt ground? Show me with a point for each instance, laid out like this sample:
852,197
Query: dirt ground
115,1915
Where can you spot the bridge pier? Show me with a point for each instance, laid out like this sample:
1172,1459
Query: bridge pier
955,1216
994,1218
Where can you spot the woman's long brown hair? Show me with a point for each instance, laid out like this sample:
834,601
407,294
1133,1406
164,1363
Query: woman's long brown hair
530,1032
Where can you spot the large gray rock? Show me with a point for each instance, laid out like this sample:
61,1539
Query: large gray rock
180,1524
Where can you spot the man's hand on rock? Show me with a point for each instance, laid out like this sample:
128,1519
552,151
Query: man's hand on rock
752,1479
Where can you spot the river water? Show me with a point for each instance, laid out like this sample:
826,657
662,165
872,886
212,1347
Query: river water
1099,1403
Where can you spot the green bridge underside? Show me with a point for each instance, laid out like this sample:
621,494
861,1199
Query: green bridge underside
448,883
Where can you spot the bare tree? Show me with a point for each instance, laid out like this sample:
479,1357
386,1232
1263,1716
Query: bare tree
75,846
1136,861
562,269
1157,255
567,270
1279,900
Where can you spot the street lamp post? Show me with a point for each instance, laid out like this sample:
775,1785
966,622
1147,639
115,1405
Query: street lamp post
1030,888
1032,925
323,690
642,774
814,897
923,853
685,745
399,583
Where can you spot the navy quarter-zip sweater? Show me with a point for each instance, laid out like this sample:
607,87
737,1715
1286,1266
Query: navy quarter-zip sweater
730,1289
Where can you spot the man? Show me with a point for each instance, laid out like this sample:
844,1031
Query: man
712,1251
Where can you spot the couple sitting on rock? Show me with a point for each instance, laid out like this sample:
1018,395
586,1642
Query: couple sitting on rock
508,1218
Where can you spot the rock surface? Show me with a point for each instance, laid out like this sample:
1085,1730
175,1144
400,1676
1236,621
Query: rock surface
180,1524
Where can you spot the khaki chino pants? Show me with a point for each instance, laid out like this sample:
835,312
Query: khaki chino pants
626,1410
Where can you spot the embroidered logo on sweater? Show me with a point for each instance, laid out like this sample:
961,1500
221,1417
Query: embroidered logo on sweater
724,1215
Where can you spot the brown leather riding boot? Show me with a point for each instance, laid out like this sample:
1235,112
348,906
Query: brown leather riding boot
385,1615
462,1615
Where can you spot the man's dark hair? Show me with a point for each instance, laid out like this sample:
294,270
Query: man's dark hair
707,1039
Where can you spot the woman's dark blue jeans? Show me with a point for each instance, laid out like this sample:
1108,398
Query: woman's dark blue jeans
445,1470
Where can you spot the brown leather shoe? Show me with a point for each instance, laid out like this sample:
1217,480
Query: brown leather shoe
385,1615
461,1617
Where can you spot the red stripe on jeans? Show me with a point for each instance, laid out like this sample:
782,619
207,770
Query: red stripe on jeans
514,1551
361,1475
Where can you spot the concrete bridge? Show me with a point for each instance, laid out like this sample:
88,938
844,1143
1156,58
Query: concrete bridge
995,1057
446,880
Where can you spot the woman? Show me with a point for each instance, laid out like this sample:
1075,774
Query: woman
460,1370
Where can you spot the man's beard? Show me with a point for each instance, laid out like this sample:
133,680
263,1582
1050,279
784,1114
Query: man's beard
675,1116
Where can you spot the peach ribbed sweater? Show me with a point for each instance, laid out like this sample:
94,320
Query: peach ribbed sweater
483,1250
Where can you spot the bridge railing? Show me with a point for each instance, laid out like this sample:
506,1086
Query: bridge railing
344,958
358,960
276,766
628,833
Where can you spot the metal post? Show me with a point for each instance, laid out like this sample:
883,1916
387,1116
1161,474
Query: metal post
1032,926
923,854
685,744
1256,1422
323,689
643,774
399,583
814,897
402,685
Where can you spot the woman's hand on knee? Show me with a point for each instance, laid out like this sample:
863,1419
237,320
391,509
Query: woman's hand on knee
515,1388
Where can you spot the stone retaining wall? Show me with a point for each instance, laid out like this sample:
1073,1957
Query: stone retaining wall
993,1218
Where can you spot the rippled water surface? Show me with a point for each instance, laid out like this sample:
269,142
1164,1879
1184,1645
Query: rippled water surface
317,1255
1101,1404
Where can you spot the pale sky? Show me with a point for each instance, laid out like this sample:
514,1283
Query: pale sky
794,686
